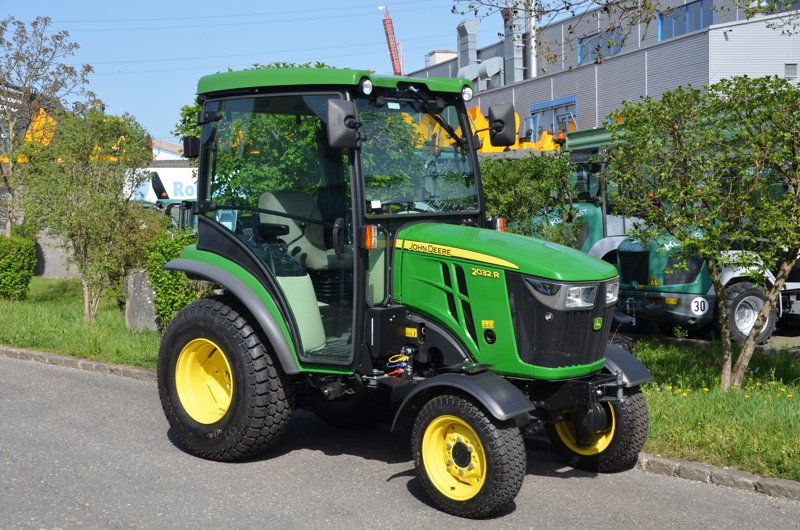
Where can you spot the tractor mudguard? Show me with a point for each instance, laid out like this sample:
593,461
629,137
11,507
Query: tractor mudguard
251,301
499,397
633,371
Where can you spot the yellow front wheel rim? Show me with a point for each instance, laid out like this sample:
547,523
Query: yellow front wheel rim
454,457
566,431
204,381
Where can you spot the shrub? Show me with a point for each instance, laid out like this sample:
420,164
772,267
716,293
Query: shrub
17,261
173,290
531,186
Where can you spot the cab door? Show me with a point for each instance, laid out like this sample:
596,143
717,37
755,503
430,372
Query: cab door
284,193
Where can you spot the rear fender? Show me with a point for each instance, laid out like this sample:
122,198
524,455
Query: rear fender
499,397
266,320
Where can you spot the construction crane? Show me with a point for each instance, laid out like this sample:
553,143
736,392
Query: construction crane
388,28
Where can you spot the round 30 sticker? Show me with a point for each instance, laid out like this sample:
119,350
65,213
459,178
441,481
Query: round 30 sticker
699,306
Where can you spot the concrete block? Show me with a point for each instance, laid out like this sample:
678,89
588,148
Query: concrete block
662,466
695,471
778,487
140,313
734,479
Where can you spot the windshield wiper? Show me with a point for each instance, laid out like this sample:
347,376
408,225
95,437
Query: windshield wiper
433,112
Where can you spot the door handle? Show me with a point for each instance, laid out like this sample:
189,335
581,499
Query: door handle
337,241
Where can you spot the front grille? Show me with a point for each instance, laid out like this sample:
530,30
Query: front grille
633,267
567,340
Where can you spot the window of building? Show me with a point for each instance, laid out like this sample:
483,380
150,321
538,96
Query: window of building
600,45
552,117
790,70
688,17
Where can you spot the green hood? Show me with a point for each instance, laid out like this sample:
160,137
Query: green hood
501,249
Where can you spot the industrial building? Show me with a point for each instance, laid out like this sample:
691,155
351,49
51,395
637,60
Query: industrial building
578,70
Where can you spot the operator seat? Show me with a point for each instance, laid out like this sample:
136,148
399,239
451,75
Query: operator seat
306,245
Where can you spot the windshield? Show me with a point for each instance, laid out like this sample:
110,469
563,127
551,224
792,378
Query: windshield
413,158
585,179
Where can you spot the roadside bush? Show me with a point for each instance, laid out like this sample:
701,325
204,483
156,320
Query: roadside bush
17,261
532,188
172,289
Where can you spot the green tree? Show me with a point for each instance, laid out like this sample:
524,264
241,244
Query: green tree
80,187
34,77
532,187
717,170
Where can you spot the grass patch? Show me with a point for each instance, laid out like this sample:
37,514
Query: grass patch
755,428
51,319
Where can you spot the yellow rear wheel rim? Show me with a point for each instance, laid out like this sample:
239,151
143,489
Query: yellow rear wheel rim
204,381
566,431
454,458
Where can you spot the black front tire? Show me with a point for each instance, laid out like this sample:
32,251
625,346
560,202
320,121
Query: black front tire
469,463
617,447
254,407
744,301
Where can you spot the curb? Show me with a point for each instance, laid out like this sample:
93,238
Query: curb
656,464
132,372
721,476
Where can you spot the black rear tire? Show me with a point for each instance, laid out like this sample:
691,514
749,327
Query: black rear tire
253,406
617,447
469,463
744,301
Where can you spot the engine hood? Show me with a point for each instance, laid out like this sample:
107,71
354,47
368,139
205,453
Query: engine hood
511,252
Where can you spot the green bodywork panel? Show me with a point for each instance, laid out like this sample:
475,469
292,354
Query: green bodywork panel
192,253
592,216
304,77
660,251
448,272
588,138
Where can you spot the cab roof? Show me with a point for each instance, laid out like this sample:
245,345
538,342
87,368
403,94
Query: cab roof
298,77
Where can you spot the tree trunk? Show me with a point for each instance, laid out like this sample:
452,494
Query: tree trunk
724,332
749,346
91,300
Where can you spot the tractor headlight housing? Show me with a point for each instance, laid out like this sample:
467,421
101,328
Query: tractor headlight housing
466,93
563,296
612,292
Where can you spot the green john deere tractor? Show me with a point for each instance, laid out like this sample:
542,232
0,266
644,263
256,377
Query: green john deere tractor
340,214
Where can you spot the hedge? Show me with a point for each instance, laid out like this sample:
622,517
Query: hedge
17,261
173,290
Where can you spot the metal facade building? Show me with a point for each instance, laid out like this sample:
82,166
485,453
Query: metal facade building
695,43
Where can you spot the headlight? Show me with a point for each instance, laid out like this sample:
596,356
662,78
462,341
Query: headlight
562,296
366,86
581,297
466,93
612,292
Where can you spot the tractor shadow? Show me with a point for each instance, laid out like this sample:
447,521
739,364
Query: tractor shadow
307,431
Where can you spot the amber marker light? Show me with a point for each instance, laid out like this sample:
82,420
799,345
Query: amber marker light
370,237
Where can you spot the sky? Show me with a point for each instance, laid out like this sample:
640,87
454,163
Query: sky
148,55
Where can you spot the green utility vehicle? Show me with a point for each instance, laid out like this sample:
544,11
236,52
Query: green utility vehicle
659,284
341,216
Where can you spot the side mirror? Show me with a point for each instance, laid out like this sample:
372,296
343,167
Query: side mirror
191,146
342,124
502,125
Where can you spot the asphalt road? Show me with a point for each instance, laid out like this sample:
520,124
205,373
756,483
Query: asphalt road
84,449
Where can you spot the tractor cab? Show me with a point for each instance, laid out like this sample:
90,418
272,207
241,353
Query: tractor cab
310,182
